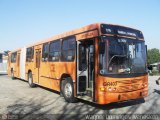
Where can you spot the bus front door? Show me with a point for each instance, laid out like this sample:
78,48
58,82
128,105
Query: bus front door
85,68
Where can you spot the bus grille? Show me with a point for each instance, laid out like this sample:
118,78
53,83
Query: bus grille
129,81
129,85
128,88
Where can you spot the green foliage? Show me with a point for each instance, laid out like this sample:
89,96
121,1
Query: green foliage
153,56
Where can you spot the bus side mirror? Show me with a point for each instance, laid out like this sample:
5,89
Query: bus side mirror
146,49
150,67
102,47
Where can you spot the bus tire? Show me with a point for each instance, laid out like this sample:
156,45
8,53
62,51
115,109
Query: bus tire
12,75
68,91
30,80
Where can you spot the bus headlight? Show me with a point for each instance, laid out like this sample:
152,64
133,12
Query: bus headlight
109,89
145,85
102,89
114,89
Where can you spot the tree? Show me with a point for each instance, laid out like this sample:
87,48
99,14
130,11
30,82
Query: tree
153,56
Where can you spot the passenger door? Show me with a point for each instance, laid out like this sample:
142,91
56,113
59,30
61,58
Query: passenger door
37,65
85,67
18,64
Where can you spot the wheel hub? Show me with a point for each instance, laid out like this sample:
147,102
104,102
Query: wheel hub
68,90
30,80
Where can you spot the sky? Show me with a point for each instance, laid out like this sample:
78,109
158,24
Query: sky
23,22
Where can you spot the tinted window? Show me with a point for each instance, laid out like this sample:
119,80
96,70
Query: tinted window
82,57
13,57
29,54
123,56
68,49
45,52
54,50
65,45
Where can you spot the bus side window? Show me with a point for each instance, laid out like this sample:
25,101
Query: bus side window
54,50
82,58
30,54
13,57
45,52
68,49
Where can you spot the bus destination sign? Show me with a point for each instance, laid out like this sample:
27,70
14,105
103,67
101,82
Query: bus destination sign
119,30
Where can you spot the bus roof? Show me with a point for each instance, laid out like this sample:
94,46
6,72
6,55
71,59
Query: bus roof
72,32
15,50
69,33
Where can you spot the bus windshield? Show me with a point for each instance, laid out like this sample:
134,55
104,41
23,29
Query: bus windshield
123,56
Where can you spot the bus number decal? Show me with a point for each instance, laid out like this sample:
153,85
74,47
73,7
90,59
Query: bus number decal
109,83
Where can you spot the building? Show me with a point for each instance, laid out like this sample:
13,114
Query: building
156,66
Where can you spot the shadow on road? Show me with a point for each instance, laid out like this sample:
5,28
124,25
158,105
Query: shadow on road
157,91
115,105
42,108
32,110
103,107
3,74
47,108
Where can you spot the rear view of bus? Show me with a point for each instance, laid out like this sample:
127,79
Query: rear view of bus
122,65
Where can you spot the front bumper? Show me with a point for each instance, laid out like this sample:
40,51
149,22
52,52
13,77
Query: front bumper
106,97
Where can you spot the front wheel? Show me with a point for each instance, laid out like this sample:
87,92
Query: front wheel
68,91
30,80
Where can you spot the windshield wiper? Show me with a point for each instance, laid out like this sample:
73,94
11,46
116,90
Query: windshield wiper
114,57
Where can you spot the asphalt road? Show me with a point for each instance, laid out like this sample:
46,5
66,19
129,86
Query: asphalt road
16,97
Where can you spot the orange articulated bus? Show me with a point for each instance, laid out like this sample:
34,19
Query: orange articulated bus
101,63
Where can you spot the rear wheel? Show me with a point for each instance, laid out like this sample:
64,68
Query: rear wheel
68,90
30,80
12,75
